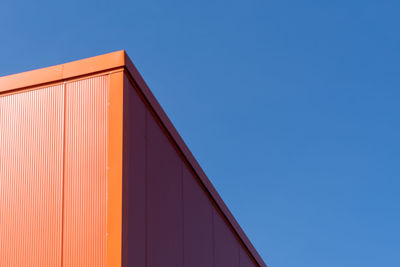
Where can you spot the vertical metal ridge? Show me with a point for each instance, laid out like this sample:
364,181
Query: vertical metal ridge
181,163
213,235
85,173
63,179
146,188
30,177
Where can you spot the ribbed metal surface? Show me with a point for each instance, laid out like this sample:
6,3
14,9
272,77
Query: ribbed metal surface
31,167
84,240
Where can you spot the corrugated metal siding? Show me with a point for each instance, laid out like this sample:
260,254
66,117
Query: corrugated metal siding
84,241
31,167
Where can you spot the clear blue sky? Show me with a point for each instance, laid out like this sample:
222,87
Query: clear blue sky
291,107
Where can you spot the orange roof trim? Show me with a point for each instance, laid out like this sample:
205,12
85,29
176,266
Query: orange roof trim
63,72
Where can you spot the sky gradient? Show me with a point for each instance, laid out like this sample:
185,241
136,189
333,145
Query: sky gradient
291,107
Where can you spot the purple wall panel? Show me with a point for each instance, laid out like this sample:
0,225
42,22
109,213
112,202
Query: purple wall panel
226,245
134,172
198,225
169,219
164,200
245,259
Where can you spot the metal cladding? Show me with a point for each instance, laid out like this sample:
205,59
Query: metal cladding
31,176
85,181
93,173
53,175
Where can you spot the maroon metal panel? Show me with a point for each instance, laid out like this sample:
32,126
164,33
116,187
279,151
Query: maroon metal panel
164,200
31,170
134,179
85,202
169,218
198,222
226,245
185,152
245,259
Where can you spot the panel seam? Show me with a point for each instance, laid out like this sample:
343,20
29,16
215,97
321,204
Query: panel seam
239,251
63,175
146,253
108,104
183,214
213,235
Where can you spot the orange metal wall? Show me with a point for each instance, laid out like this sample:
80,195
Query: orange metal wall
84,227
169,220
53,175
31,166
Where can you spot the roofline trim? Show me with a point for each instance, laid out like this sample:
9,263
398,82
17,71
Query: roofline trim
62,72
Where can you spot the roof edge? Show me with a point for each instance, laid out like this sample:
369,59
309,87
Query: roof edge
63,71
180,143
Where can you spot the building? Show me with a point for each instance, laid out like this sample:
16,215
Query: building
93,173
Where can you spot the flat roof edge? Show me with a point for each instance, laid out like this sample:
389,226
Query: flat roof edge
64,71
